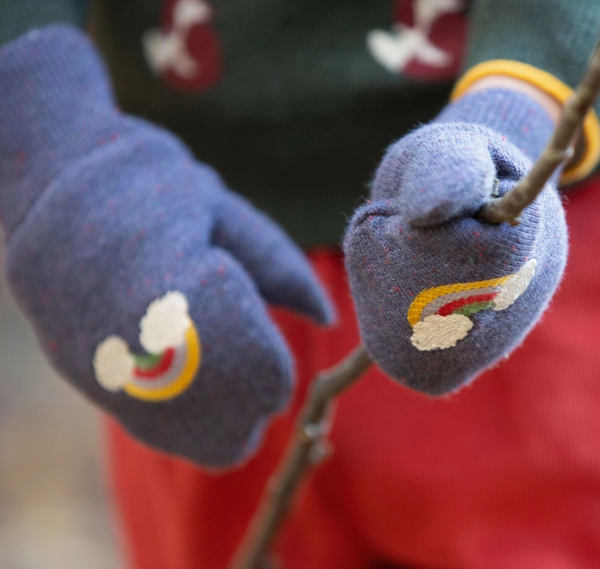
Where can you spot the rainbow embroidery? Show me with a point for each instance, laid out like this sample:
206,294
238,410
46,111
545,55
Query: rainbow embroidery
439,316
171,339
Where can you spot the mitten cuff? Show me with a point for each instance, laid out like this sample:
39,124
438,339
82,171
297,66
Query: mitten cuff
548,83
514,115
56,106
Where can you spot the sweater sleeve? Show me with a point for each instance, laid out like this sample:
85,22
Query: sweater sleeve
546,42
19,16
554,35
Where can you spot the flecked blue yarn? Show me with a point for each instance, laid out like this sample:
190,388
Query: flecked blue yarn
420,231
105,213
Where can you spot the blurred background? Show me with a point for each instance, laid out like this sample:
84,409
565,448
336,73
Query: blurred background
54,504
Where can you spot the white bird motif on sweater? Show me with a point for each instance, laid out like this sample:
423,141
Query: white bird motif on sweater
395,49
168,50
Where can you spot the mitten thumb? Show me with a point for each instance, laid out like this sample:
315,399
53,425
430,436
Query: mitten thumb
437,173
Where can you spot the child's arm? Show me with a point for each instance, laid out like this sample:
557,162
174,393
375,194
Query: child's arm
440,296
545,43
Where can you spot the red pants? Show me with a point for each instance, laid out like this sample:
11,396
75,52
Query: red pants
503,475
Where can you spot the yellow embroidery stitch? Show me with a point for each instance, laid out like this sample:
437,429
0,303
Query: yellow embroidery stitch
182,381
173,354
430,294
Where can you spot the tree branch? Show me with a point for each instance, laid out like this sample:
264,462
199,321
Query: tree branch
559,149
305,450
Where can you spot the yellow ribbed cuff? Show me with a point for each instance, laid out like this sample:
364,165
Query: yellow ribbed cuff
553,87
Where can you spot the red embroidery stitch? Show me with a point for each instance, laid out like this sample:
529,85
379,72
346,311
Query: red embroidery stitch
457,304
159,369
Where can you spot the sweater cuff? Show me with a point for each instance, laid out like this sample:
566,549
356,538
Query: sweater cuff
589,157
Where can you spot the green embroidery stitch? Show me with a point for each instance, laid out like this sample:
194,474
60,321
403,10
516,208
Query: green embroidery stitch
148,361
469,309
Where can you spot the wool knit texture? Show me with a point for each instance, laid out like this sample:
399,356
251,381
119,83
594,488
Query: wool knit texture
419,232
106,213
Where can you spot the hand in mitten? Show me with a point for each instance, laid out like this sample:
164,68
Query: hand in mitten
441,295
143,275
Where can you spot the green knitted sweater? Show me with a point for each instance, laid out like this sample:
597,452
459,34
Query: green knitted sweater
294,102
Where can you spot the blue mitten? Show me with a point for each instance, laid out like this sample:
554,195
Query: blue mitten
440,295
144,276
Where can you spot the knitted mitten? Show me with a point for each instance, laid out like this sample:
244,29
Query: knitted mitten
439,294
144,277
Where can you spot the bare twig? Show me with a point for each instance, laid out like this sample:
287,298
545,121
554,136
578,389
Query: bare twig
305,449
560,148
